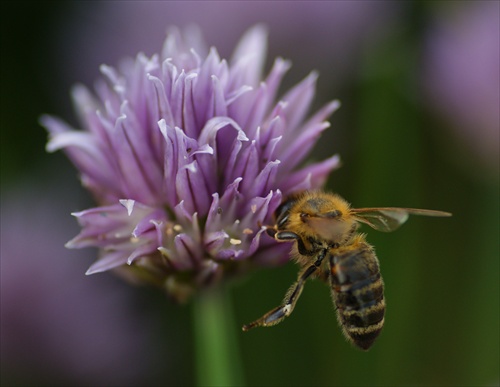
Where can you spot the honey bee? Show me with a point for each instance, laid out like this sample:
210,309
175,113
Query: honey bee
322,227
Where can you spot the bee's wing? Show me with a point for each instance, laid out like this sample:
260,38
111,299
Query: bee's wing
388,219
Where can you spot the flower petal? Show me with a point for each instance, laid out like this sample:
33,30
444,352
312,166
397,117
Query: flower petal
190,185
298,101
82,149
139,172
108,261
222,146
224,210
265,179
163,109
215,240
310,177
187,251
296,151
261,208
144,250
249,56
247,166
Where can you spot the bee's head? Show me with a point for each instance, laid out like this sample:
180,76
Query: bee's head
317,215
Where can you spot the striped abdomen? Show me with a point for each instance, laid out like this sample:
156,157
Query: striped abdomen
358,293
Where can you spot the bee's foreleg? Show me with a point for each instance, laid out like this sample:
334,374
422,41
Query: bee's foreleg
285,236
279,313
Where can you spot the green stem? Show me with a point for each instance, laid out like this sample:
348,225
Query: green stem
217,356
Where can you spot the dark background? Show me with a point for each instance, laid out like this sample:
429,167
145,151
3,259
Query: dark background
418,127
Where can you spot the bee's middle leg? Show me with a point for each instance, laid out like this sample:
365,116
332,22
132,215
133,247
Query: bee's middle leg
278,314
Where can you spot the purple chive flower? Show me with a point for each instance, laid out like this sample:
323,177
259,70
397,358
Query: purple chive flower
187,156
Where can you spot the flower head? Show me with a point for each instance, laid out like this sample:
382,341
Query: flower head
187,156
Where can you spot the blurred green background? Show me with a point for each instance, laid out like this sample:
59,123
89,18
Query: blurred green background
418,127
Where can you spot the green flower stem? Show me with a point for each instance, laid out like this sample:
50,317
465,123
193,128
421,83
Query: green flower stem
217,355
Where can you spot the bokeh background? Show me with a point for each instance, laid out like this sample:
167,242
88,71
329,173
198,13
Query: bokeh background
419,127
